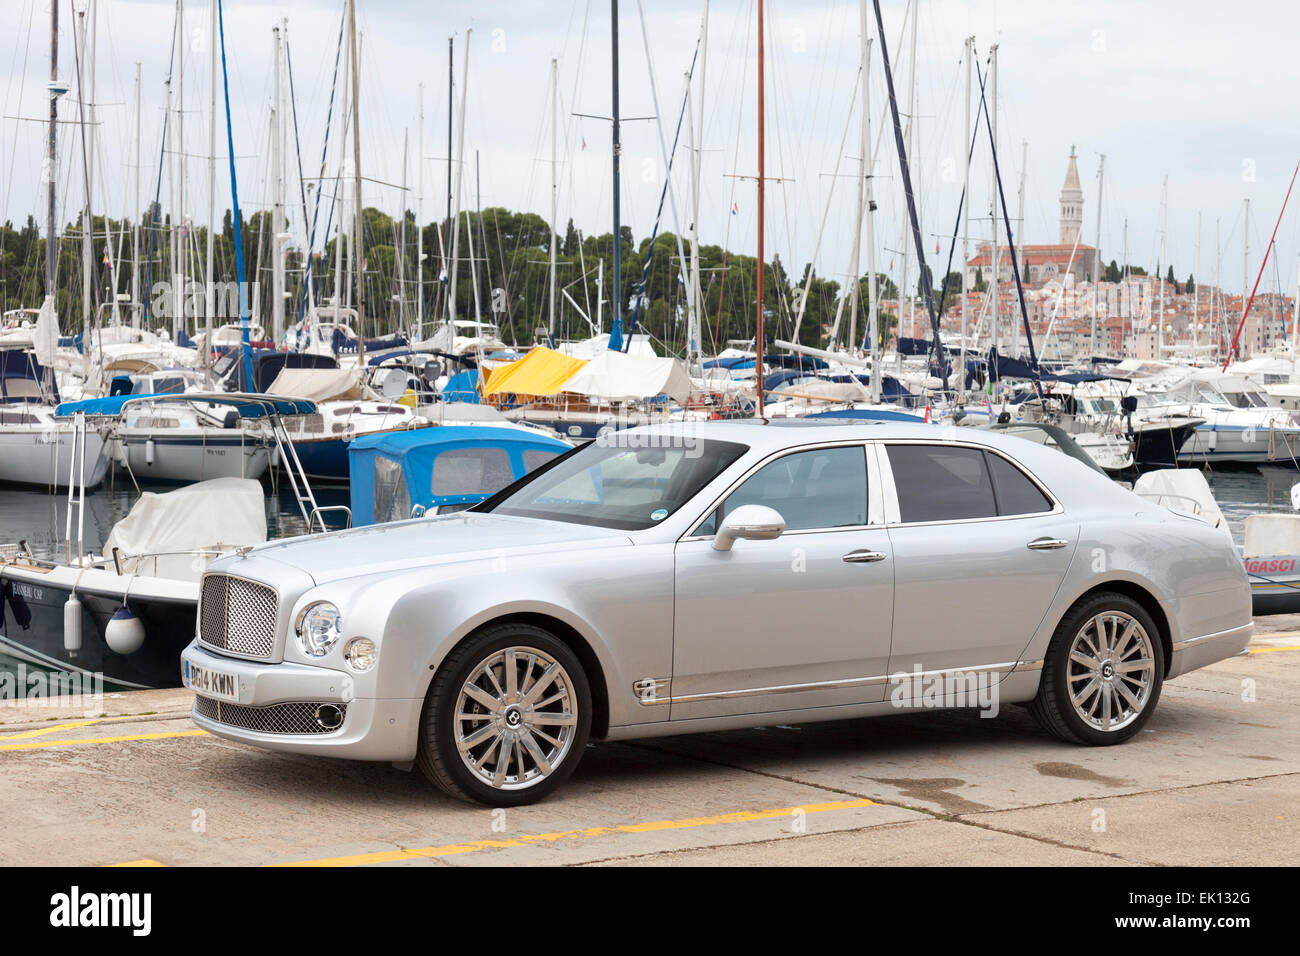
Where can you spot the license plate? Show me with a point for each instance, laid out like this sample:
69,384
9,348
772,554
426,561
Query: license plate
209,683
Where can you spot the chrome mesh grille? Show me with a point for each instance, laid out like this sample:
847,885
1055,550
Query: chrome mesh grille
237,615
297,717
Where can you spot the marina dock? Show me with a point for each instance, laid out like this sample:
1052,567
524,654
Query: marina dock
1213,779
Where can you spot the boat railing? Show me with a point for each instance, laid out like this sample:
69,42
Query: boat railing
319,511
1161,498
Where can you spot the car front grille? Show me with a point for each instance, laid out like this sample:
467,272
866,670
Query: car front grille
297,717
237,615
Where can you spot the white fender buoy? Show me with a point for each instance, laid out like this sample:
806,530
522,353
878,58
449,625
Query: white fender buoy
148,452
125,632
1295,496
72,625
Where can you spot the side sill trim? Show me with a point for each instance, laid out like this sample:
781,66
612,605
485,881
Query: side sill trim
1218,635
1007,667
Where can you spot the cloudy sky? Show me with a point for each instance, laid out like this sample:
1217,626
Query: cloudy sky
1200,92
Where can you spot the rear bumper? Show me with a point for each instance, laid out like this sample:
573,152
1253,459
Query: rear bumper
1207,649
372,729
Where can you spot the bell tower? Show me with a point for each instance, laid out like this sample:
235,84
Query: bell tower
1071,203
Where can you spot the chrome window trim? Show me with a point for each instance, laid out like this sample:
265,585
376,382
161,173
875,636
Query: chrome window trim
894,511
861,443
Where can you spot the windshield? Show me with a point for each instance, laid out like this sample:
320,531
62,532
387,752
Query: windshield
615,486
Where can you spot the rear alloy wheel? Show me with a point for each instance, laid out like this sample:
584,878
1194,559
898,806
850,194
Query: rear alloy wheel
507,717
1103,672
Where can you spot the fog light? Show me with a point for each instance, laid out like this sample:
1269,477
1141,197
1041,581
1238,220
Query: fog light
329,717
361,653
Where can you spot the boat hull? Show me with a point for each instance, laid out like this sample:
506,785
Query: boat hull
43,457
39,596
1274,584
191,459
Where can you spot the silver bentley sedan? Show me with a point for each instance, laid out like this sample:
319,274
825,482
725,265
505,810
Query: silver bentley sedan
684,578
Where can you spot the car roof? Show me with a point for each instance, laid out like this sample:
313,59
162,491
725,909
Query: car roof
774,433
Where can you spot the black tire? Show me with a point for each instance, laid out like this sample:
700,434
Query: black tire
438,756
1053,707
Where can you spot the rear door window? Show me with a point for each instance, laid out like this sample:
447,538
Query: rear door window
941,483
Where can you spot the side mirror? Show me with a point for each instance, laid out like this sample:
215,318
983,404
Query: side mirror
751,522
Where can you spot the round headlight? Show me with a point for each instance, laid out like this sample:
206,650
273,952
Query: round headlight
361,653
319,627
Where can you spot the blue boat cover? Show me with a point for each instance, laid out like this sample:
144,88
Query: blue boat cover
462,387
248,406
416,450
21,365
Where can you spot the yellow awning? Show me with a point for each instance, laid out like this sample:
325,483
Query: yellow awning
542,371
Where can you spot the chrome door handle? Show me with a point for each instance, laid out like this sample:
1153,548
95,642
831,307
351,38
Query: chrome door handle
864,557
1046,544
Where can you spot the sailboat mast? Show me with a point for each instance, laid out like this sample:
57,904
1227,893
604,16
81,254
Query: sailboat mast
356,184
555,189
855,267
451,85
277,189
616,297
995,319
51,157
178,218
210,258
135,237
460,178
965,235
419,218
762,172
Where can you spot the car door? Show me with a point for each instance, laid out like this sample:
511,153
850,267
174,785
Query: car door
802,620
980,548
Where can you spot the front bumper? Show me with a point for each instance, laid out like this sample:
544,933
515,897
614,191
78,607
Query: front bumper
372,729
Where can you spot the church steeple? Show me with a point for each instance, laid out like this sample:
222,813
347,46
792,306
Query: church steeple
1071,203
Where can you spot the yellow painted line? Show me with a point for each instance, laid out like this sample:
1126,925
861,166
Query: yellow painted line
1271,650
454,849
103,740
144,862
41,732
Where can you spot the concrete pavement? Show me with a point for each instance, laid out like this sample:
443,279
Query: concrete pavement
1213,778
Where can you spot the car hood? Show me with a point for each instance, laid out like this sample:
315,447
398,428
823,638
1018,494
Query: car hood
424,542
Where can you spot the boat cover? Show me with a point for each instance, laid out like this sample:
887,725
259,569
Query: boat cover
617,377
162,529
542,371
1177,489
317,384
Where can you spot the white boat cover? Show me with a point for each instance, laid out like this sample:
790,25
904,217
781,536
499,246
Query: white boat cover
216,515
1271,535
617,377
1184,490
317,384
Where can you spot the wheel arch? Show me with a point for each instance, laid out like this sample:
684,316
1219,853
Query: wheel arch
572,638
1148,602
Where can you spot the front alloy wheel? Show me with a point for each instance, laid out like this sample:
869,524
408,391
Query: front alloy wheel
506,718
515,718
1102,673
